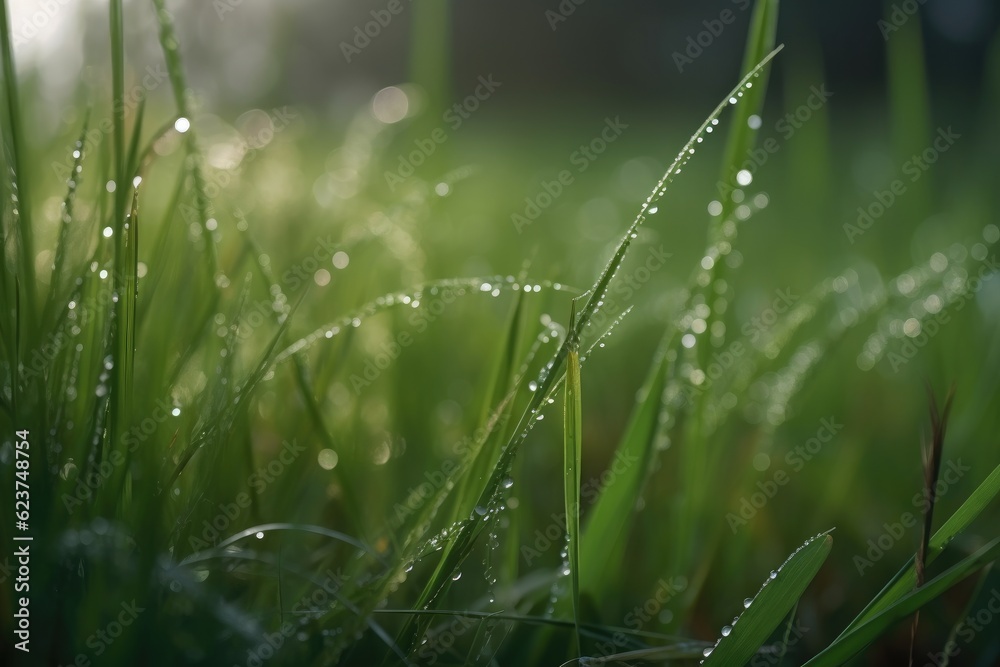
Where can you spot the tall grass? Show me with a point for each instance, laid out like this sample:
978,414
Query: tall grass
179,419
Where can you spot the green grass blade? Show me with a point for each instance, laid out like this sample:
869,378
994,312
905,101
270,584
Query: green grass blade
175,69
485,454
904,580
132,156
909,105
66,218
572,458
780,593
696,457
603,539
851,643
315,412
763,25
15,135
970,608
554,370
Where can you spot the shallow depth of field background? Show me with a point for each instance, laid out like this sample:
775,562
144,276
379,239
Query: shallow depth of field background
302,152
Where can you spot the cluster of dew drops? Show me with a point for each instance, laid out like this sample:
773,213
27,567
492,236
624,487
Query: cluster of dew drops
943,269
493,286
728,629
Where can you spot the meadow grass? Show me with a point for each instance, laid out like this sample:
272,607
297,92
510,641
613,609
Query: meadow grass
238,462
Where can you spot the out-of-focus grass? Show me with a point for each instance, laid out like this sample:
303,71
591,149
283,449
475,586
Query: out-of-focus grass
291,444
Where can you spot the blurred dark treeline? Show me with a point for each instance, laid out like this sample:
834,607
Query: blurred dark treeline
253,52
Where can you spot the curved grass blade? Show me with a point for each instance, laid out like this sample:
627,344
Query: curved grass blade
220,548
398,299
905,579
776,598
855,640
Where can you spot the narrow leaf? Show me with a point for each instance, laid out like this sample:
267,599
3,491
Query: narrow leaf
781,592
572,455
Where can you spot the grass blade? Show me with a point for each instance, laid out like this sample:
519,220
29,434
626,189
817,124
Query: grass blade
909,105
572,455
175,69
554,369
603,539
852,642
780,593
956,523
15,134
66,219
